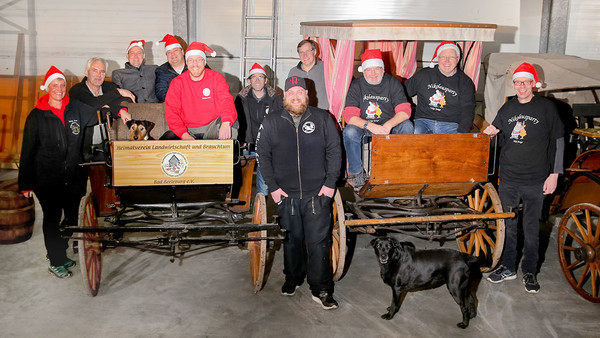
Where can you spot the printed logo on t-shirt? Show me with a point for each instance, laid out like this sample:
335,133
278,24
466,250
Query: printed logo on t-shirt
437,100
308,127
521,122
206,91
518,132
75,127
373,111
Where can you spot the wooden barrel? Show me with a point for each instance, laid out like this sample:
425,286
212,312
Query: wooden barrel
17,215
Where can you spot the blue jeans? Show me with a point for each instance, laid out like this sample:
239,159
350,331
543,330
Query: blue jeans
261,185
533,198
427,126
353,143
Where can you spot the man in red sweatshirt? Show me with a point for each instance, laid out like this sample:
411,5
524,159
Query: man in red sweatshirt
198,104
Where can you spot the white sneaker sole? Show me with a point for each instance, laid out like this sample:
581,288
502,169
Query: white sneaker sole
318,301
513,277
290,294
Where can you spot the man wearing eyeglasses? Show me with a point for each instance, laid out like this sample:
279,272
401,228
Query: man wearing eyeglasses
253,103
532,140
311,69
445,95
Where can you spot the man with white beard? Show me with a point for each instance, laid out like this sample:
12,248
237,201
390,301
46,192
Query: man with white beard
376,104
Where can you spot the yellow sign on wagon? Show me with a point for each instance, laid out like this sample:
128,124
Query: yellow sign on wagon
148,163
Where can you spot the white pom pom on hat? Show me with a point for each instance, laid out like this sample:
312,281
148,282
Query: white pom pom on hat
199,48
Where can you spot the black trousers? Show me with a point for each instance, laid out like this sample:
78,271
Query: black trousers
307,249
533,199
54,202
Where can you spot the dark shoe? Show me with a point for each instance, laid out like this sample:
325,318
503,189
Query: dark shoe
501,274
357,180
69,263
531,283
289,288
325,299
60,271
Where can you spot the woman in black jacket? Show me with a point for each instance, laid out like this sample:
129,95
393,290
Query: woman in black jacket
49,166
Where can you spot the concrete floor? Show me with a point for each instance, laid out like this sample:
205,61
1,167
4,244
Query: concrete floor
209,294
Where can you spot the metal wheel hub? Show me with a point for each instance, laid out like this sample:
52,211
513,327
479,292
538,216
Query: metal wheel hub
586,253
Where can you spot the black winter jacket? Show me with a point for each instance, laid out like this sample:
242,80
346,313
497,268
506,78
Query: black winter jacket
299,160
51,152
164,75
110,96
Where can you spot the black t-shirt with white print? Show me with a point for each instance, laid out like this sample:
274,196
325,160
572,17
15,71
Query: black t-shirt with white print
376,102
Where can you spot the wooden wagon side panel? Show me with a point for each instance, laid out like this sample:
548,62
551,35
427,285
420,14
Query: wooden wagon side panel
450,163
157,163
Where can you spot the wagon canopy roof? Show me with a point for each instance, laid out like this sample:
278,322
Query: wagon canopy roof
372,30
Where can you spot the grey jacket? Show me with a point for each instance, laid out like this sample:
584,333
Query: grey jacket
139,81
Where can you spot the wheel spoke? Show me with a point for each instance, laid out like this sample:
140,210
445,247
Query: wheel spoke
489,240
569,248
594,271
579,226
573,265
482,201
582,243
583,274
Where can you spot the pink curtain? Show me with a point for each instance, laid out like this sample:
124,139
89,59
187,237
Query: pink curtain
471,59
338,64
402,61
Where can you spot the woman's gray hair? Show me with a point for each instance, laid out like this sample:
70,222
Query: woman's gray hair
94,59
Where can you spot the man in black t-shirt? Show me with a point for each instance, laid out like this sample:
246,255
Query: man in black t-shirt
531,137
375,104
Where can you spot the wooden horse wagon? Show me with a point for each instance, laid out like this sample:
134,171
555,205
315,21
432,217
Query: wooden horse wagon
172,194
432,187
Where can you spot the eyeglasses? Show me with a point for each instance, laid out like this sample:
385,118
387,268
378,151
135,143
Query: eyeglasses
255,78
306,51
522,83
444,58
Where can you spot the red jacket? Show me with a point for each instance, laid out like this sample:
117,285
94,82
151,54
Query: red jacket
192,104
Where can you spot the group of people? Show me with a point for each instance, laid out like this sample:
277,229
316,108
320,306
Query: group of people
296,140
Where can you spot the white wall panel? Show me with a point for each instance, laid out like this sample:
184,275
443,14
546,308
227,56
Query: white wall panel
68,32
583,37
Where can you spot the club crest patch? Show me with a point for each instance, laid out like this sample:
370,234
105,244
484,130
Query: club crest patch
75,127
174,164
308,127
206,91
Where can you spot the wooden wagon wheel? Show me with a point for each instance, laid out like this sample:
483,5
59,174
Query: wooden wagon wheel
339,246
579,249
258,248
90,251
487,239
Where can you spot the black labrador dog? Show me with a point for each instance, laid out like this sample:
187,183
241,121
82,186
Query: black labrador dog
404,269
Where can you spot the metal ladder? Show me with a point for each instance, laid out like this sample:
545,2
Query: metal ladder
251,25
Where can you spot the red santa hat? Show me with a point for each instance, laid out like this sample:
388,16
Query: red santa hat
527,70
441,47
199,48
371,58
52,74
256,68
170,42
136,43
